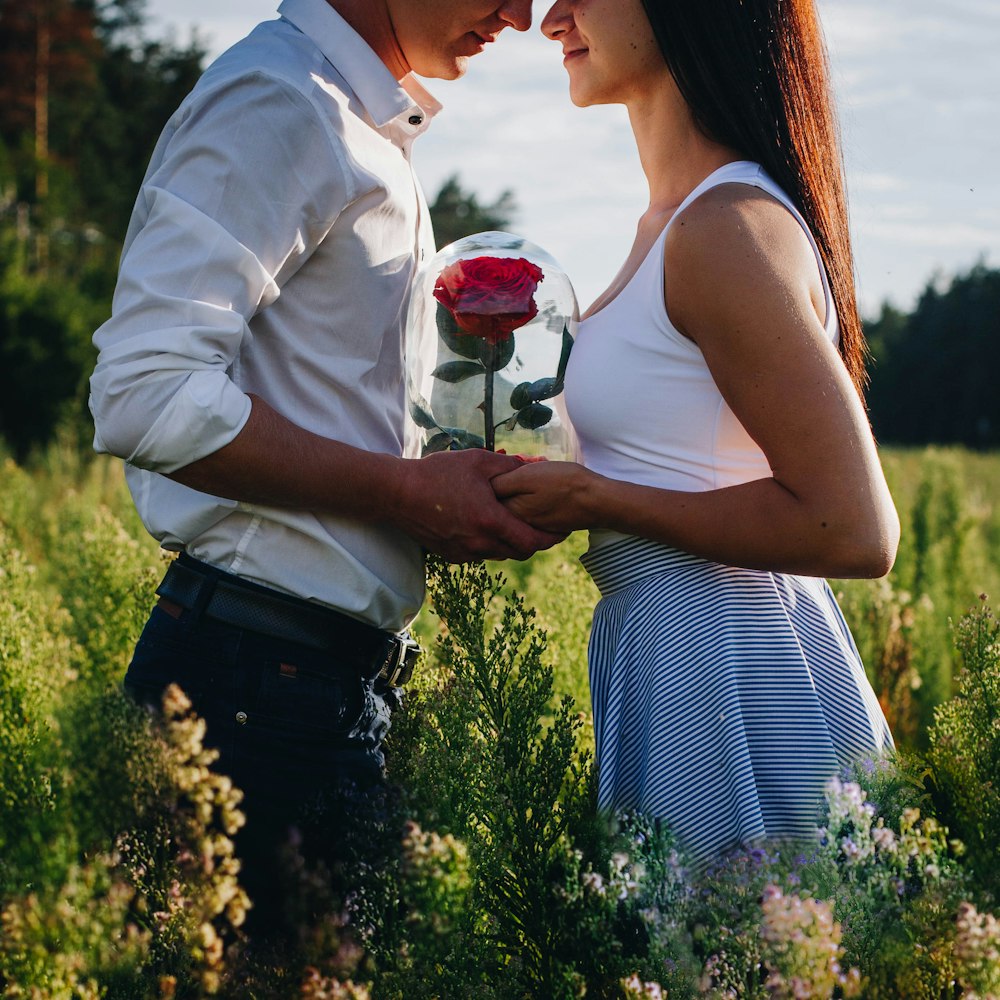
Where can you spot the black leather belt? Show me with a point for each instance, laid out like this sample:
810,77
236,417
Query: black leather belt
226,598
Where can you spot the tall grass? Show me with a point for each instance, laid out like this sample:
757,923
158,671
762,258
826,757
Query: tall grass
497,878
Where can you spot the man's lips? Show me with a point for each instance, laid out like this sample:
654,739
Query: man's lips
479,42
571,54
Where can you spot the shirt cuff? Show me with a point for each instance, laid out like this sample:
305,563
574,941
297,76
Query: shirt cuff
204,415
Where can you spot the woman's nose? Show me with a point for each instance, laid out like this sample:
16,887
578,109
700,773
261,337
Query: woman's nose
558,20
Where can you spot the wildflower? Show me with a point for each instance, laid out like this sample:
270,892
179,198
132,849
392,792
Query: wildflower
802,948
636,989
977,949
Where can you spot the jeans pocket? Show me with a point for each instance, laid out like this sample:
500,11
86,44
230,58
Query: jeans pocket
298,699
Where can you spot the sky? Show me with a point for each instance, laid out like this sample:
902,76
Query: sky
917,85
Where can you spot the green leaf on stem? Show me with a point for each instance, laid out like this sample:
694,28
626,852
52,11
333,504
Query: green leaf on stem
458,371
463,345
420,411
567,346
495,356
520,397
439,442
534,416
453,439
544,388
463,439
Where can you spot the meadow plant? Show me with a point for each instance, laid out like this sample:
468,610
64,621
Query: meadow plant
106,581
554,583
317,986
725,920
895,888
633,988
946,556
437,882
884,621
487,870
77,941
38,663
540,896
204,899
977,950
965,746
802,951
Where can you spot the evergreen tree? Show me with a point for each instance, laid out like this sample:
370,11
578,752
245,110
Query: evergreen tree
936,370
457,213
83,97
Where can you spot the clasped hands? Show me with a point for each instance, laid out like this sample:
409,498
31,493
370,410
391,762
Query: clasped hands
476,504
546,495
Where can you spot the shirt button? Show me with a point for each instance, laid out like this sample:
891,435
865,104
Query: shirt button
241,718
415,119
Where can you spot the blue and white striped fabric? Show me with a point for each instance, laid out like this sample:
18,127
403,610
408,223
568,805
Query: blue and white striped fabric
723,698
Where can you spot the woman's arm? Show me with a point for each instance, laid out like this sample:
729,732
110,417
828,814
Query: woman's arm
742,283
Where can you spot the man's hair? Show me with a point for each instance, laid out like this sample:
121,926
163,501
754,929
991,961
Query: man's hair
756,76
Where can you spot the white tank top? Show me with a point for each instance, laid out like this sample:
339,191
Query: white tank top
639,395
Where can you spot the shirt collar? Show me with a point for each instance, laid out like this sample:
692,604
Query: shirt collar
385,98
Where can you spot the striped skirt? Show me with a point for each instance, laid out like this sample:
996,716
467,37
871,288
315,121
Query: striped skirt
723,698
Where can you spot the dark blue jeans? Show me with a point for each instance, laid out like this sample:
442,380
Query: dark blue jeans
298,732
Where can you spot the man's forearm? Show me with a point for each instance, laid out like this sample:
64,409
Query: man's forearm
444,501
275,462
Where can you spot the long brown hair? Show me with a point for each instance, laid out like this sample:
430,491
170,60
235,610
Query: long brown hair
756,77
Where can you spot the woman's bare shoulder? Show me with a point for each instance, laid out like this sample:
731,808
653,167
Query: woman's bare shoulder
734,247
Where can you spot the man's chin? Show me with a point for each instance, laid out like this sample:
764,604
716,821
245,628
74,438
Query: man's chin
450,69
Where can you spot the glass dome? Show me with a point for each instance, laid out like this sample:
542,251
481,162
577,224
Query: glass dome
490,328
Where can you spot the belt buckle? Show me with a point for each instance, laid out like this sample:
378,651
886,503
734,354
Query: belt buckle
404,651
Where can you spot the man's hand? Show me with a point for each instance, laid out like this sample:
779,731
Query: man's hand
446,501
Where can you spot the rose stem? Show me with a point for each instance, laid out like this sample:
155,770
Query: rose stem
488,403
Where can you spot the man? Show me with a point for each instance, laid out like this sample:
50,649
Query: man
251,376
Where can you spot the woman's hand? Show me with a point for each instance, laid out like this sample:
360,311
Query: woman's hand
551,496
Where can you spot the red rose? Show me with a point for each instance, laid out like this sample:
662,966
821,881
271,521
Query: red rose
490,297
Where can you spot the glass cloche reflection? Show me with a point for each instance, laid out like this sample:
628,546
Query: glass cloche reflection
489,332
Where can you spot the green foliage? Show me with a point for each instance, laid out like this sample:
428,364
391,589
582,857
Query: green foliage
936,370
37,663
948,554
74,941
496,767
490,874
45,357
965,747
456,212
107,583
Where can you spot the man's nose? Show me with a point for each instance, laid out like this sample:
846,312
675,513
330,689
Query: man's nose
516,13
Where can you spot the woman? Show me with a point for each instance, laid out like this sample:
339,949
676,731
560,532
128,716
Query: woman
728,466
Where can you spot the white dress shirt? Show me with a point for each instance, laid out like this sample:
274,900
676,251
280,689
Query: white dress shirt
271,250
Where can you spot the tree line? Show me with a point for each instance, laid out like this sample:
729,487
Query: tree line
84,92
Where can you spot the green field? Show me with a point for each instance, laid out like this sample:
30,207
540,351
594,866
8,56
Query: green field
499,880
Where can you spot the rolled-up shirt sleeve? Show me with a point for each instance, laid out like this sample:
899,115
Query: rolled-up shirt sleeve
246,181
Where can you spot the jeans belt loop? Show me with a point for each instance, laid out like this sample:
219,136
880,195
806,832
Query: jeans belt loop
203,597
